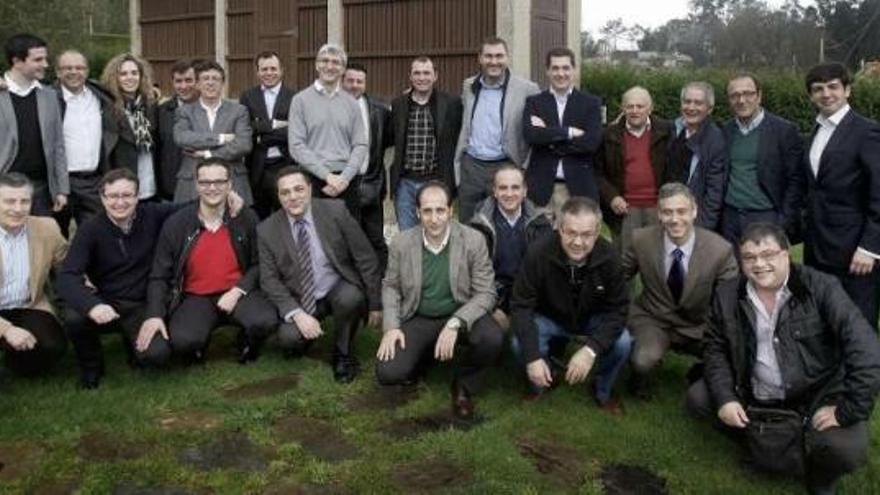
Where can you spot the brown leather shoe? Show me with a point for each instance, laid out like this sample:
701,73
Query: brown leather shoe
612,407
462,405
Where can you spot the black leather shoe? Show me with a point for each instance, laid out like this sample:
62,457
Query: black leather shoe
345,369
462,405
90,379
248,351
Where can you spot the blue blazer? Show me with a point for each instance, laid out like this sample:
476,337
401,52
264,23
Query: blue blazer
843,200
551,143
706,173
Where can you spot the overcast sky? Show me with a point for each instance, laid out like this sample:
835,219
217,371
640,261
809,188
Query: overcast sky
648,13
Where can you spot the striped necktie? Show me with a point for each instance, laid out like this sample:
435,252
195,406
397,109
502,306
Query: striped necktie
304,262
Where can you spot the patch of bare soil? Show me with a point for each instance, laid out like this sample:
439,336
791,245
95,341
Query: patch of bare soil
189,420
228,451
557,463
318,437
98,446
430,476
625,479
381,398
17,459
406,428
263,388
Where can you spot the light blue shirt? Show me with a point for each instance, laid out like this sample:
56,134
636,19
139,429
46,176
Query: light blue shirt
753,124
687,249
487,132
325,276
15,291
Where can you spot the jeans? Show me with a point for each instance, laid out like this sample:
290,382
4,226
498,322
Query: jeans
406,203
610,363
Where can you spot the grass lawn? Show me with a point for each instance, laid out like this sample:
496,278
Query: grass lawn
281,426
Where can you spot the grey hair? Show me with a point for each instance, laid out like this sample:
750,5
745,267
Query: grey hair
333,49
636,91
706,88
671,189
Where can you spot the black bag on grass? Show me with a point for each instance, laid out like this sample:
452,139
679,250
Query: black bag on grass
775,440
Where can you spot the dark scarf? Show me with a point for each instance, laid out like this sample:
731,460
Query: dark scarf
135,111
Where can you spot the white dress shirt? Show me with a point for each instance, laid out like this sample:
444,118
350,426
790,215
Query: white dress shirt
270,96
365,115
20,90
82,130
827,126
561,102
766,375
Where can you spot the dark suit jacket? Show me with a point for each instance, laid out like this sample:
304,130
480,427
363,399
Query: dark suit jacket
261,122
170,155
611,168
710,162
344,243
843,201
711,262
780,151
372,184
446,112
551,143
125,153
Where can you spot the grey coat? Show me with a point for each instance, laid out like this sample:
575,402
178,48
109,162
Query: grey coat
192,132
515,94
471,276
52,130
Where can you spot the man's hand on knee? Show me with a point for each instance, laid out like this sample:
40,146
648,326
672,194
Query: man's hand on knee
308,325
733,415
20,339
149,328
539,373
388,346
825,418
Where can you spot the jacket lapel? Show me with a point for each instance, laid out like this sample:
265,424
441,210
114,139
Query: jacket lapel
261,102
456,255
693,267
659,261
836,140
35,255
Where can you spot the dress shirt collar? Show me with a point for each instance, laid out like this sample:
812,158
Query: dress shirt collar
19,90
782,295
69,95
274,89
306,218
210,109
833,120
511,220
638,132
564,95
13,234
687,248
752,124
437,250
322,90
498,85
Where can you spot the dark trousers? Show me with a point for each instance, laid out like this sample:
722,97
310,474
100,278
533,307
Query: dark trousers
373,222
42,200
347,304
483,343
85,335
830,453
83,202
864,290
349,196
46,329
191,323
734,221
266,188
475,185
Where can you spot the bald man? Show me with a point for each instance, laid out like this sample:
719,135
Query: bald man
631,165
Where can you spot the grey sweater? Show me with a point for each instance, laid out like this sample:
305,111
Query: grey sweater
326,133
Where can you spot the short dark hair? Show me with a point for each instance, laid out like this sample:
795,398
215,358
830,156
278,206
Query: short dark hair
758,231
20,44
746,75
433,184
292,170
578,205
827,72
16,180
494,40
264,55
118,174
181,66
356,66
214,162
559,51
206,65
509,167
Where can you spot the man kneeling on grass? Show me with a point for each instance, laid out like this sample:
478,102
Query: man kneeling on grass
571,287
206,272
791,365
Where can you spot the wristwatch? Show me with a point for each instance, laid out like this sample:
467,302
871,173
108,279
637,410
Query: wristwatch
454,323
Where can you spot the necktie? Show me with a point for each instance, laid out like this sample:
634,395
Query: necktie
675,279
304,262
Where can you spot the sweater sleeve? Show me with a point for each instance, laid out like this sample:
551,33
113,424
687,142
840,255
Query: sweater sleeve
70,282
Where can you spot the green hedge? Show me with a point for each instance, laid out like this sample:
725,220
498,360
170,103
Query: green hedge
783,91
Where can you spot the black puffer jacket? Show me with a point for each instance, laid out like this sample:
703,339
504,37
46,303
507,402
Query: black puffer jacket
827,352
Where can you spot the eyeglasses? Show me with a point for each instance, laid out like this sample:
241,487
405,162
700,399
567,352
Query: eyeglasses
742,95
768,255
212,183
118,196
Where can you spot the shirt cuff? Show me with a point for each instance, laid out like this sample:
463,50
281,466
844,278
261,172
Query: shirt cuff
590,351
868,253
289,316
240,290
208,154
570,133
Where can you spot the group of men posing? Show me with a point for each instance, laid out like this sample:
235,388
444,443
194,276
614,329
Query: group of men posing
688,204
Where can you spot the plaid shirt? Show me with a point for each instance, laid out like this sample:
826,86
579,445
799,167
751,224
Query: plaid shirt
421,143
